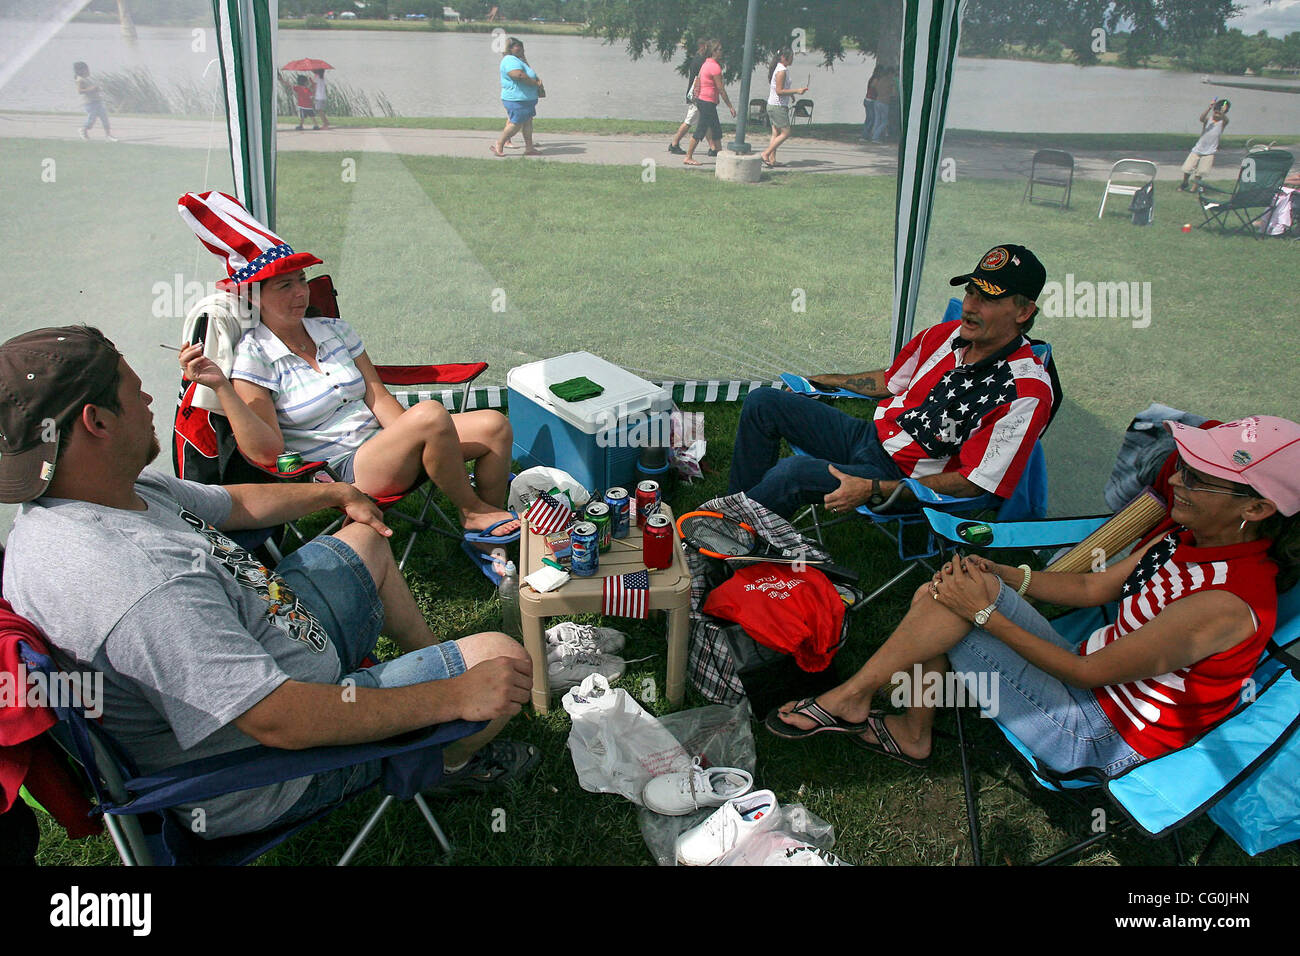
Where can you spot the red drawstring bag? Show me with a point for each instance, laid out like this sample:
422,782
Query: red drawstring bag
795,612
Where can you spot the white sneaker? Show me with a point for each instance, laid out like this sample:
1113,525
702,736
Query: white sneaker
734,822
790,852
597,640
685,791
572,665
84,134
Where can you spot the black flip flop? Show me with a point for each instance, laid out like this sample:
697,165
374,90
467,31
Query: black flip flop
808,707
885,744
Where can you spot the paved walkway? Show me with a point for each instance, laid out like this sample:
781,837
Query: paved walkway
798,154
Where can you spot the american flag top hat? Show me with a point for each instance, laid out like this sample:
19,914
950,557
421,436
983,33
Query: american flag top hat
252,252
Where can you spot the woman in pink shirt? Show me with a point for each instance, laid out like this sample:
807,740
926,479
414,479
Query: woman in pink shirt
710,89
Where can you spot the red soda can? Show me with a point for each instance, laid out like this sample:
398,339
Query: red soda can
657,542
647,501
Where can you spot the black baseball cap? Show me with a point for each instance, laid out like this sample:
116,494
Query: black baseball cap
46,378
1007,270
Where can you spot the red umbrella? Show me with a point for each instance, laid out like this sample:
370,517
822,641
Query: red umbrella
307,63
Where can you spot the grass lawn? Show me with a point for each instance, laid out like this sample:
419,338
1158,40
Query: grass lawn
683,277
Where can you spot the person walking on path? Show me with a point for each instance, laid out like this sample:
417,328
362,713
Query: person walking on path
92,99
779,100
692,90
521,87
318,98
710,89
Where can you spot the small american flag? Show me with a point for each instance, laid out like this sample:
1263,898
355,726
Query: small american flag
626,594
547,514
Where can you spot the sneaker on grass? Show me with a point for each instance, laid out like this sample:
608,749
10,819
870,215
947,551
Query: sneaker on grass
583,637
493,765
570,666
734,822
685,791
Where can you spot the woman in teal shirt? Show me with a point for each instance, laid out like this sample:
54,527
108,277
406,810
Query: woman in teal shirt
520,89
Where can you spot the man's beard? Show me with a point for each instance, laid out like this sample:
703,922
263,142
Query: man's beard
155,448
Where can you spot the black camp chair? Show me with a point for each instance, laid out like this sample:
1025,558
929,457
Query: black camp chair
802,110
1053,168
1258,180
758,113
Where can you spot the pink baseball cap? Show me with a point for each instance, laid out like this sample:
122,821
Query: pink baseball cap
1261,451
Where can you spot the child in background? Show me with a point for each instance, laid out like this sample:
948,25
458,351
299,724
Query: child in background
92,99
1201,159
303,95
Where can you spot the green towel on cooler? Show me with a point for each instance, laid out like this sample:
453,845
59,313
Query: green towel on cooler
577,389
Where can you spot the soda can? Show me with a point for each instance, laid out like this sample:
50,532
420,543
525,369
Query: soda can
620,507
657,542
647,501
598,514
586,549
288,462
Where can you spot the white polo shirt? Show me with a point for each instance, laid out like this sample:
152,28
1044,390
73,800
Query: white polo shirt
322,415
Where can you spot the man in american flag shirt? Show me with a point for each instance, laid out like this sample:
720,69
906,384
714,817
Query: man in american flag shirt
960,408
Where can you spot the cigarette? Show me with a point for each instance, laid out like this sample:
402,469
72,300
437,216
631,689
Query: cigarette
174,348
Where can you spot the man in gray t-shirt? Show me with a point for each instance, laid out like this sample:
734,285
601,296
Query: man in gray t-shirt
204,650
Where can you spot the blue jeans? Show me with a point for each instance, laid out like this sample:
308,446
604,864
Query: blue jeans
1063,726
829,437
332,580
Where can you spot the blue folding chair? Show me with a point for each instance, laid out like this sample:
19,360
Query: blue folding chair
135,805
1242,771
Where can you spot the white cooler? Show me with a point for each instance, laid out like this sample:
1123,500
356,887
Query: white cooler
598,440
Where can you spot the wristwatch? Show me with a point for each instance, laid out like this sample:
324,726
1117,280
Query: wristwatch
982,616
877,499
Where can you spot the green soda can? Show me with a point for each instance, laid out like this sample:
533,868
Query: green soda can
288,462
598,514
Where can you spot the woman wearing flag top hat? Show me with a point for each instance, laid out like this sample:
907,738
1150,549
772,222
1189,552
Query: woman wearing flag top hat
306,385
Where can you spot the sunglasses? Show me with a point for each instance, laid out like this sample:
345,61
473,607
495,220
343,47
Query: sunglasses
1194,482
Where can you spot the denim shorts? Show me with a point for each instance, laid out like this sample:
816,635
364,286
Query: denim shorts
331,579
520,111
1063,726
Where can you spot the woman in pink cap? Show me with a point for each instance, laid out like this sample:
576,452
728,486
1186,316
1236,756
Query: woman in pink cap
1197,602
306,385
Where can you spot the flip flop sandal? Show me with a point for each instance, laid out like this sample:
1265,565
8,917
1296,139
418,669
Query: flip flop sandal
885,744
487,537
826,722
495,151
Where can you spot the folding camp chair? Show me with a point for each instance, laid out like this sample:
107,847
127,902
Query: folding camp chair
204,445
135,805
758,112
802,109
1053,168
1241,771
1027,501
1258,180
1127,177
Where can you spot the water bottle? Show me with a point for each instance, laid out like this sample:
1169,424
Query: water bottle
508,591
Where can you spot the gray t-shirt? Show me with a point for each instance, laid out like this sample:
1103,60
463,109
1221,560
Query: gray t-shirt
188,629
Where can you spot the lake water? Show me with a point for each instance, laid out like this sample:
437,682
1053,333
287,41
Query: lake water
455,74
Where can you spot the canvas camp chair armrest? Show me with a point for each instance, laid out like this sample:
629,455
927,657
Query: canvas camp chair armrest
1048,533
260,766
802,386
926,495
306,470
452,373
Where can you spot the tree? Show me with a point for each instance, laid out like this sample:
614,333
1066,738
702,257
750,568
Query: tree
665,26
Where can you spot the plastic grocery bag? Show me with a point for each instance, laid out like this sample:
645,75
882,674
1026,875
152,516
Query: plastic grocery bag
527,485
617,747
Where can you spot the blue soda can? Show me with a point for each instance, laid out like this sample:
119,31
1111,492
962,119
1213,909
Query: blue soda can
619,510
586,549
